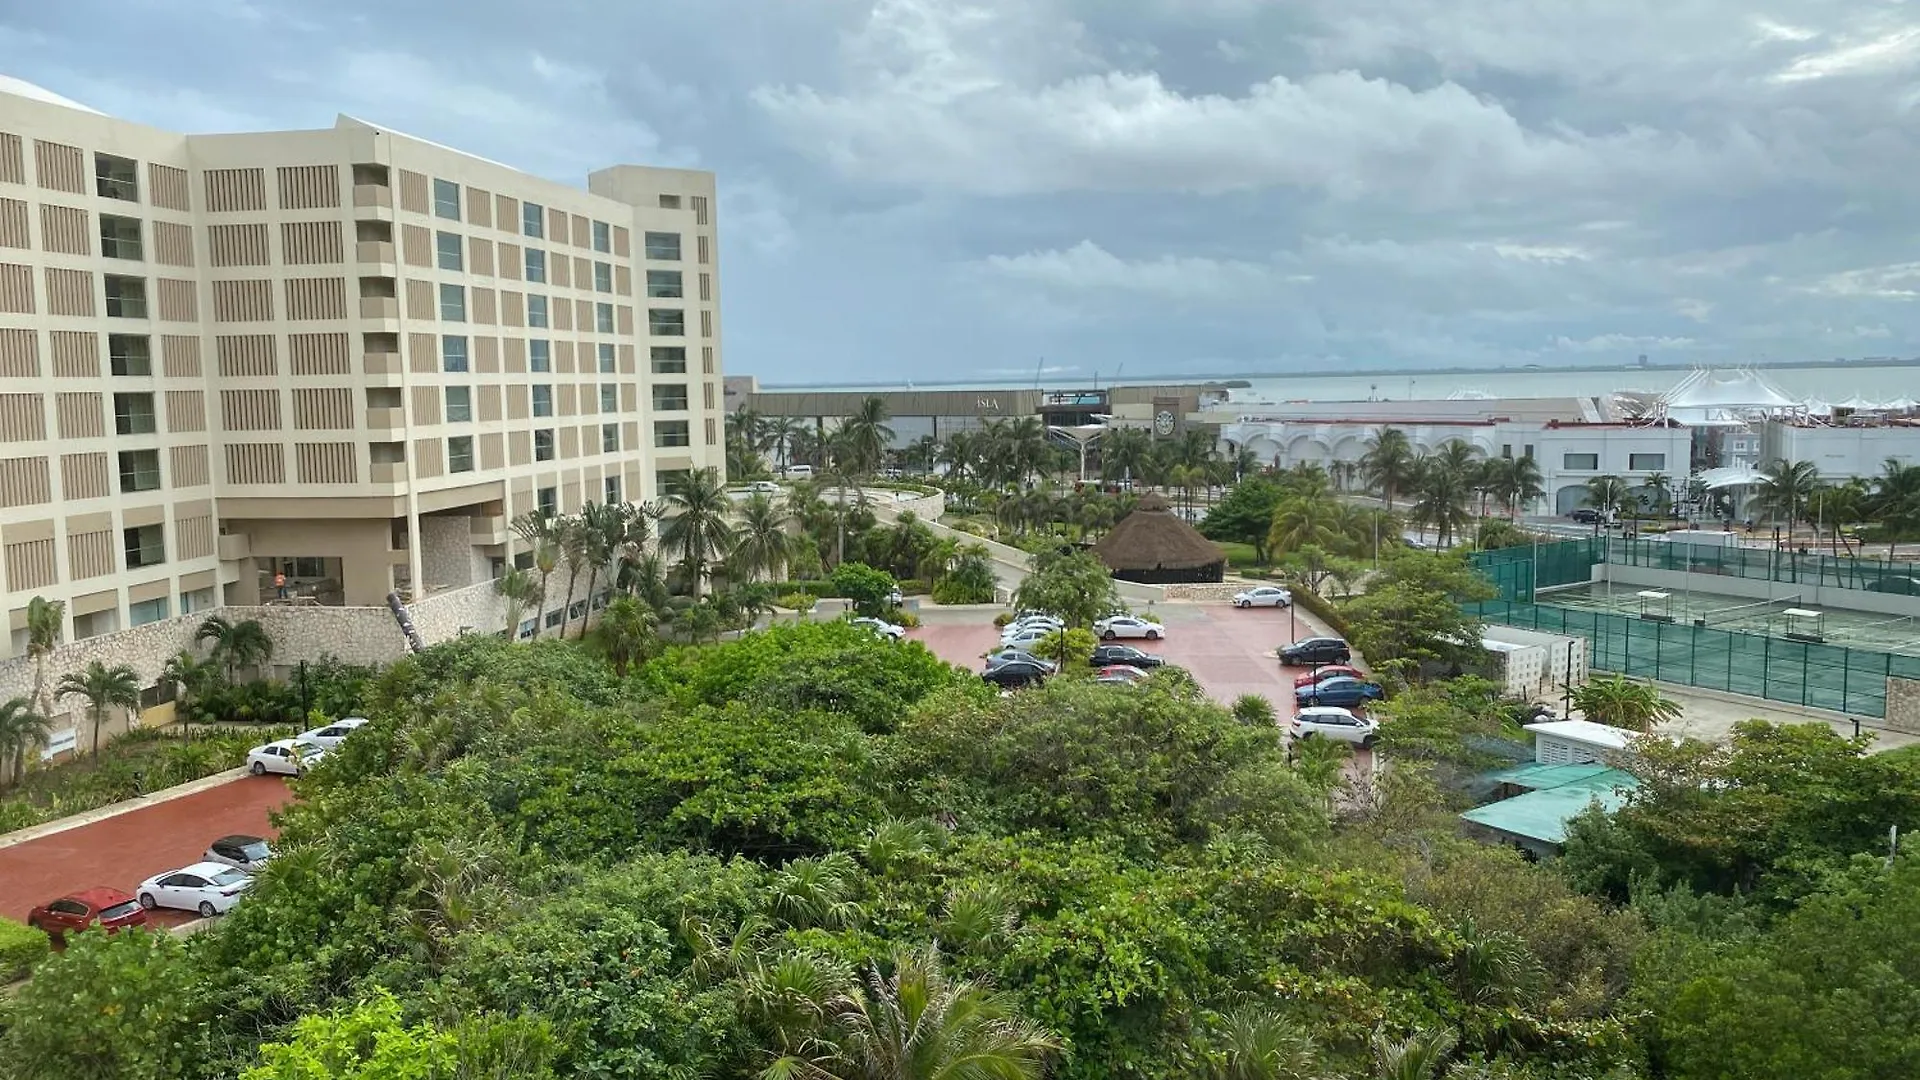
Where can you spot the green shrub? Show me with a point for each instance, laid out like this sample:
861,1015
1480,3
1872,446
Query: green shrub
904,618
1079,646
1001,620
1308,598
796,601
1253,710
867,587
814,588
21,947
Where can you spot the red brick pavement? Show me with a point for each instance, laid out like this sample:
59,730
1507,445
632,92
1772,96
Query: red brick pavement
126,849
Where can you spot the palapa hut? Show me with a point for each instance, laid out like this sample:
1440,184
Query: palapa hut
1153,547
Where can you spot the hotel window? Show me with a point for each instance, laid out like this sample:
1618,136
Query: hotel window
610,488
1646,462
670,397
146,546
669,359
602,236
609,398
116,178
447,248
543,451
537,311
133,414
460,453
130,354
665,322
120,237
126,297
603,318
139,470
533,219
606,358
547,499
543,399
609,438
539,355
664,246
602,277
149,611
453,352
1581,462
536,266
446,200
459,404
453,303
667,481
669,202
671,433
664,284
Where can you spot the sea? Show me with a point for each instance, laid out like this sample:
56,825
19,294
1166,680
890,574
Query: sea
1873,381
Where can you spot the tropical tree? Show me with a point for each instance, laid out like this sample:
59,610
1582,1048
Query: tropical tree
1388,463
540,533
102,688
1606,494
1784,490
1444,484
781,435
22,728
1126,454
1896,501
696,527
602,530
1837,506
864,437
235,644
1257,1044
1660,485
1516,482
45,618
1618,701
1303,520
518,588
626,632
1417,1057
192,677
761,544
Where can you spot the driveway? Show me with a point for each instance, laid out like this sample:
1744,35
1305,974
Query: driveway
126,849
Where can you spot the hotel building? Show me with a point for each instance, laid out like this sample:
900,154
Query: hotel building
346,356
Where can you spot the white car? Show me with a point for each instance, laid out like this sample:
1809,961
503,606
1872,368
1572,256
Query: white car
1333,722
1128,626
765,487
1263,596
326,738
1051,622
882,627
206,887
290,757
1026,639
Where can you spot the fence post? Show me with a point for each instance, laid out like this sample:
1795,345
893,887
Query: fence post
1766,663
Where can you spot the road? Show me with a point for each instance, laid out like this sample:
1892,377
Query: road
123,850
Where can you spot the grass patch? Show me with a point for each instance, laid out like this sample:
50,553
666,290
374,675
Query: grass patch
1239,556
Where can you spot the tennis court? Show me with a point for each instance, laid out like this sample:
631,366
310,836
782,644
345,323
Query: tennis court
1833,626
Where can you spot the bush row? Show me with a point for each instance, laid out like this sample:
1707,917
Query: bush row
1320,607
21,947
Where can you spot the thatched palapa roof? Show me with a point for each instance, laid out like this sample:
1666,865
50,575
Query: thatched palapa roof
1152,538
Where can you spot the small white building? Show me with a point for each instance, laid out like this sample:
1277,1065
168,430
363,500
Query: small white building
1535,665
1578,742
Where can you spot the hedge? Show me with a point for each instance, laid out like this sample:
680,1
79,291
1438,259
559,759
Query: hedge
21,947
819,590
1321,607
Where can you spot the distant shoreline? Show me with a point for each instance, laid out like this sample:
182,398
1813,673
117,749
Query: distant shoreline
1240,379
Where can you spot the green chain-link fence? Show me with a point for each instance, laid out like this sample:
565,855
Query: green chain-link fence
1765,564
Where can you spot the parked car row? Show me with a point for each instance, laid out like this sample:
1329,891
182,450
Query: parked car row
293,757
209,887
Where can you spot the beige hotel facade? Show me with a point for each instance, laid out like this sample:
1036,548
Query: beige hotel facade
347,355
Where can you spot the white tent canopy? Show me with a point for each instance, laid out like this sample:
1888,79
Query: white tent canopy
1716,479
1724,399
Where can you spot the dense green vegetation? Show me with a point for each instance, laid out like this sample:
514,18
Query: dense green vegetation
786,855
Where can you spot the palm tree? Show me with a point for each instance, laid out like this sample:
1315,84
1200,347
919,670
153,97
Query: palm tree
571,542
921,1025
1896,500
45,618
1841,504
865,436
22,728
1521,484
1257,1044
781,435
1388,463
1303,521
1606,494
235,644
192,677
601,530
626,630
1443,486
1417,1057
537,531
1125,454
103,688
1785,486
761,541
1662,488
518,588
696,528
1618,701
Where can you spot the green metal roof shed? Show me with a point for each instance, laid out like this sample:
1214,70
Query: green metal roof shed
1539,818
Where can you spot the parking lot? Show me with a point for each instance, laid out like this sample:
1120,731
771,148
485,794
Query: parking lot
126,849
1230,651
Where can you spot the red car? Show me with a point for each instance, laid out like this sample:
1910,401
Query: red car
109,909
1327,672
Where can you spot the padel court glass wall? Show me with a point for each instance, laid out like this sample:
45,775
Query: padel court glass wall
1834,677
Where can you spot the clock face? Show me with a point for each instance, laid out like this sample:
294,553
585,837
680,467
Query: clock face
1163,422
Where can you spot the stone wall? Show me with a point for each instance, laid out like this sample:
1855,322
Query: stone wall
1206,593
447,554
1903,706
145,649
354,635
476,609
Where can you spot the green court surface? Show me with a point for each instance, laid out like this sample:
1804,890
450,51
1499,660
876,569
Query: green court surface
1825,675
1837,626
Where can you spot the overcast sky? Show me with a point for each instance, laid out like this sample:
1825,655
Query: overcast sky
937,190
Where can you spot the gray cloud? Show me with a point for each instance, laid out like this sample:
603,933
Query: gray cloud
924,189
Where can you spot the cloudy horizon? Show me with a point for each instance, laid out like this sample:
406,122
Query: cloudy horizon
933,190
